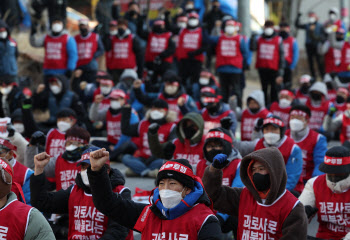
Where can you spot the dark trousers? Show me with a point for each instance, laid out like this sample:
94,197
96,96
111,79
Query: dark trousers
230,84
287,79
312,54
268,84
189,69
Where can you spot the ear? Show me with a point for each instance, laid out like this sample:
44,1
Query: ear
187,191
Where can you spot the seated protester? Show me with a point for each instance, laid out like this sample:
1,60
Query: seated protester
112,119
206,79
179,203
331,87
215,110
17,122
255,110
313,144
282,107
142,163
263,199
18,220
173,93
85,221
188,144
329,195
318,104
21,174
11,96
340,101
101,94
302,93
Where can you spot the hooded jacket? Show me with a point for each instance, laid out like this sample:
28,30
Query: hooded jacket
9,54
294,226
57,202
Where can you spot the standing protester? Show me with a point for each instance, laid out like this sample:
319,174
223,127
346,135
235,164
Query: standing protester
56,9
264,198
9,52
180,207
270,60
334,19
329,195
18,220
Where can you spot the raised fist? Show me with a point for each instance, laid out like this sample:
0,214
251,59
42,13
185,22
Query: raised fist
98,98
137,83
40,161
98,158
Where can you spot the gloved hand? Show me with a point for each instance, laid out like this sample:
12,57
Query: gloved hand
11,130
226,123
38,138
332,110
220,161
259,124
168,150
69,74
310,211
153,128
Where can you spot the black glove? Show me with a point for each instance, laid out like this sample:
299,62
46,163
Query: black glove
226,123
168,150
220,161
310,211
332,110
38,138
259,124
69,74
153,128
11,130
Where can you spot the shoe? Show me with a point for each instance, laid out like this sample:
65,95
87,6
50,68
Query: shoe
153,173
130,173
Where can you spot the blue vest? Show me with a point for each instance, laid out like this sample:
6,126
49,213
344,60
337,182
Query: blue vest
54,107
8,62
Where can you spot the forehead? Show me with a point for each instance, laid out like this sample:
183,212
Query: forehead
214,142
257,164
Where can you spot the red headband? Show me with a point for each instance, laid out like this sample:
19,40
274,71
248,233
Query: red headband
287,92
7,144
159,22
299,113
217,134
177,167
273,121
117,93
76,139
206,74
6,167
336,161
106,82
343,90
208,90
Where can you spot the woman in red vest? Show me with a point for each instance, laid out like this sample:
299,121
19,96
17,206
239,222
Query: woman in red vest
180,207
265,208
329,195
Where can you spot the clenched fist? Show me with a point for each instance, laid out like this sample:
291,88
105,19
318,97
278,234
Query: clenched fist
40,161
99,98
98,158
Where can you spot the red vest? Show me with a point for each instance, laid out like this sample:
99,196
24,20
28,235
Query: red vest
20,173
288,49
317,114
185,227
122,54
248,120
87,46
172,103
285,148
163,134
14,220
340,108
210,121
345,57
65,173
345,129
55,142
228,51
301,97
332,95
156,44
257,221
331,59
56,56
283,113
189,40
307,145
113,123
268,53
108,56
333,210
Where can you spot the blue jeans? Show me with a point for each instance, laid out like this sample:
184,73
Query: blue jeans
137,164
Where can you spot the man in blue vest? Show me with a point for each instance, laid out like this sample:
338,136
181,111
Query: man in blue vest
9,53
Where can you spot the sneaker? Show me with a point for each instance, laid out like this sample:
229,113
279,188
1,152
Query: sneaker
153,173
130,173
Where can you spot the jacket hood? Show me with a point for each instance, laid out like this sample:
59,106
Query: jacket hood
320,87
197,119
258,96
273,160
128,73
335,10
4,25
63,79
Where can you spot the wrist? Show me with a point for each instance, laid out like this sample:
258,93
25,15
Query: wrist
38,171
95,169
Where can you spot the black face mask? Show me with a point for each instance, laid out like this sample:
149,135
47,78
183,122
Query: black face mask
340,99
158,29
84,32
189,132
121,31
254,110
213,108
316,96
337,178
261,182
211,154
132,13
304,89
339,39
284,34
329,86
74,155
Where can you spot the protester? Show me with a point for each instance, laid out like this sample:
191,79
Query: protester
11,96
8,47
302,93
282,107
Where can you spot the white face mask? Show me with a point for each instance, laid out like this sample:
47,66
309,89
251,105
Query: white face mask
284,103
230,30
312,20
19,127
84,177
55,89
6,90
193,22
63,126
328,30
71,147
171,89
155,114
268,31
3,35
113,32
204,81
57,27
115,104
338,187
272,138
296,125
332,17
105,90
170,198
189,6
182,25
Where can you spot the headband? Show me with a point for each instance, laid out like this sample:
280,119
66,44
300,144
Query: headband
287,92
336,161
6,167
299,113
177,167
273,121
7,144
221,135
76,139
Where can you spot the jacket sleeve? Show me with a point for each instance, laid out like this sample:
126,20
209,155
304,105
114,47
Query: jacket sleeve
100,49
50,202
26,186
189,106
295,225
127,129
245,147
170,49
95,114
78,107
297,24
244,51
211,230
237,182
155,146
123,138
37,41
38,227
319,153
281,59
50,167
139,53
323,48
294,167
219,194
123,211
143,97
232,115
307,197
30,152
295,55
332,124
21,143
72,51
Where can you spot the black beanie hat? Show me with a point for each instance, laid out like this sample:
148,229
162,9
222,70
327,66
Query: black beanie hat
159,103
227,146
187,181
170,76
336,160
